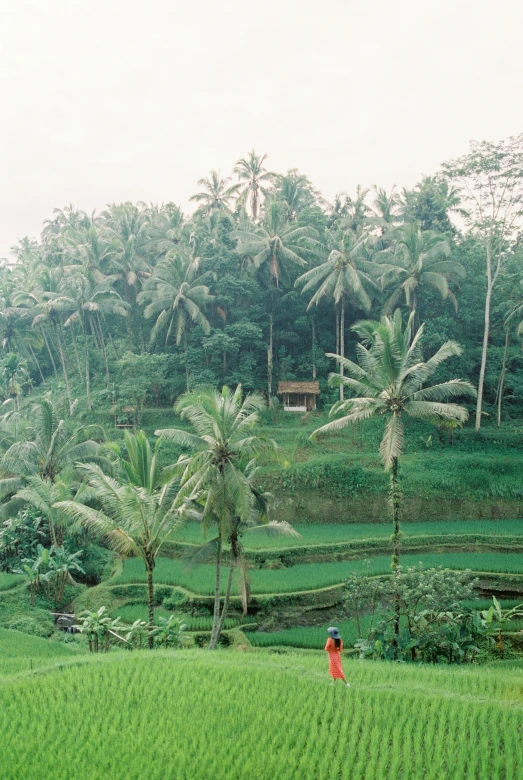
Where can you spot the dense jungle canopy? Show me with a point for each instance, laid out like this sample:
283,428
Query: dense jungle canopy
140,302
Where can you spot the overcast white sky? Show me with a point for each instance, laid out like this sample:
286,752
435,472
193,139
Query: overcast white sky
111,100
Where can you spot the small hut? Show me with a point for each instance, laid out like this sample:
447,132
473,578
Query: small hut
299,396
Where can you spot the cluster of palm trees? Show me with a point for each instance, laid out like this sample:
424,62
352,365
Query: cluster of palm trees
142,266
71,477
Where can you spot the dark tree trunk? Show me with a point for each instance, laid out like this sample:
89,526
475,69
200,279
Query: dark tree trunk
395,501
502,377
217,588
149,565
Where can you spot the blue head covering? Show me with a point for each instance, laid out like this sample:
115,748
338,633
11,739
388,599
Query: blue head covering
334,633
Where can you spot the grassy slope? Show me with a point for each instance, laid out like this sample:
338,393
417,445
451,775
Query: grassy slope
229,715
20,652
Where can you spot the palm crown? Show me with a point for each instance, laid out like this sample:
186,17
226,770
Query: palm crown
388,380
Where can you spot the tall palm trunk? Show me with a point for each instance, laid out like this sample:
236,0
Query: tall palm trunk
217,594
75,347
395,563
104,349
270,357
342,341
486,334
313,348
87,367
186,360
64,368
502,377
46,341
226,600
149,566
37,364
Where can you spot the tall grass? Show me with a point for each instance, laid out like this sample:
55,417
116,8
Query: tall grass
230,716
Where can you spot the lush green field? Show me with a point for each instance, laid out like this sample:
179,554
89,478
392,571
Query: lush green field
313,575
131,612
20,652
234,715
333,533
8,581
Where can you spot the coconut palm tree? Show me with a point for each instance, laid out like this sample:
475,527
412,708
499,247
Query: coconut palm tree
140,509
252,175
416,259
220,468
42,494
216,195
47,447
177,296
274,246
127,228
343,277
388,381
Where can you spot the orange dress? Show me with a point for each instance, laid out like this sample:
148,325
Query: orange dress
335,667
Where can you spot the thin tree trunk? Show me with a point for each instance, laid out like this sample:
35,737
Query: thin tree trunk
337,329
186,361
486,333
270,357
73,335
37,364
113,346
64,369
313,349
104,350
217,587
395,563
87,378
342,341
226,599
49,350
502,377
149,565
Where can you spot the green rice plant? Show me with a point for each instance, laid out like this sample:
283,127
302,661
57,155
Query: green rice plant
8,581
313,576
189,714
131,612
332,533
20,652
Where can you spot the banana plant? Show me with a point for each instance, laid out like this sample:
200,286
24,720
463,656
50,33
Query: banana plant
495,618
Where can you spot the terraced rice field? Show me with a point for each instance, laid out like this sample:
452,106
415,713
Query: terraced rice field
337,533
131,612
231,715
21,652
312,576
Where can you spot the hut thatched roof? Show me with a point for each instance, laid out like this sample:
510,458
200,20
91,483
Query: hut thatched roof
313,388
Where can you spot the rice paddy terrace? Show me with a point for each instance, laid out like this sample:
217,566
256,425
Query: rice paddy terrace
254,714
304,576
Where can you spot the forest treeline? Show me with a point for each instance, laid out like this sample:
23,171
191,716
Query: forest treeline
141,302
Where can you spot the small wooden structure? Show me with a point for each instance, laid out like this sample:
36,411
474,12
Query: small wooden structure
299,396
122,416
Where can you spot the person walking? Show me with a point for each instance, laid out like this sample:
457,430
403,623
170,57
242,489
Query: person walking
334,647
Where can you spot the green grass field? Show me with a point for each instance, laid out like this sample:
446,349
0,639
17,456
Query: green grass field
8,581
231,715
312,576
21,652
131,612
332,533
